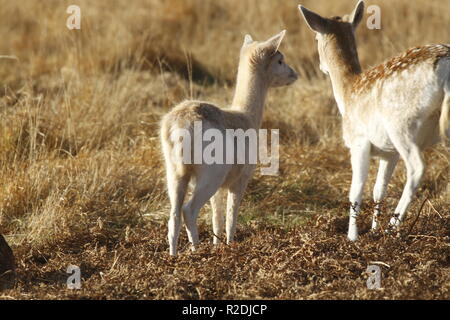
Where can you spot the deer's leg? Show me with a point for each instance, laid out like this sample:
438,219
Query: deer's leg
385,171
177,188
360,158
218,205
235,194
415,169
209,180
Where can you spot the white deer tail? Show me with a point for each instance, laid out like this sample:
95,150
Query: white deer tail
444,121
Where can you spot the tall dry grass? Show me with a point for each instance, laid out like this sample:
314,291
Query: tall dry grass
80,109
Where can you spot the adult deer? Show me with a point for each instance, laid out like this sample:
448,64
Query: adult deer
396,109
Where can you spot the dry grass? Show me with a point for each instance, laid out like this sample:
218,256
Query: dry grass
81,175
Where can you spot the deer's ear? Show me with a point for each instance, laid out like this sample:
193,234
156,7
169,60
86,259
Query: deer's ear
274,43
247,40
314,21
357,14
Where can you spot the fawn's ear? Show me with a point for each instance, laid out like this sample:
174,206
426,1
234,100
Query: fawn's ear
247,40
357,14
274,43
314,21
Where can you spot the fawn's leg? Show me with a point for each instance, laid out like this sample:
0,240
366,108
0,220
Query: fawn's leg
218,205
208,181
235,195
177,187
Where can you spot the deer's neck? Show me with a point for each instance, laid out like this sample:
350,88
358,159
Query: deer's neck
250,94
344,69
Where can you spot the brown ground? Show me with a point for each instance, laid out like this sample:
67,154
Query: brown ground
82,179
313,261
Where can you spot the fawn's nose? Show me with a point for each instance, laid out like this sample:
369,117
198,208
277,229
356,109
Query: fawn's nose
294,75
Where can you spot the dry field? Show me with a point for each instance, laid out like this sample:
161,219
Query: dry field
81,173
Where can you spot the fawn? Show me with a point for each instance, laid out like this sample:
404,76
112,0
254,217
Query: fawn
261,66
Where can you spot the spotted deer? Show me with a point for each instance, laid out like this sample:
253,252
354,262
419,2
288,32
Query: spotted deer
261,66
397,109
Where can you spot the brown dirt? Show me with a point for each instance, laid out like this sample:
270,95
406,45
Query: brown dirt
314,261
